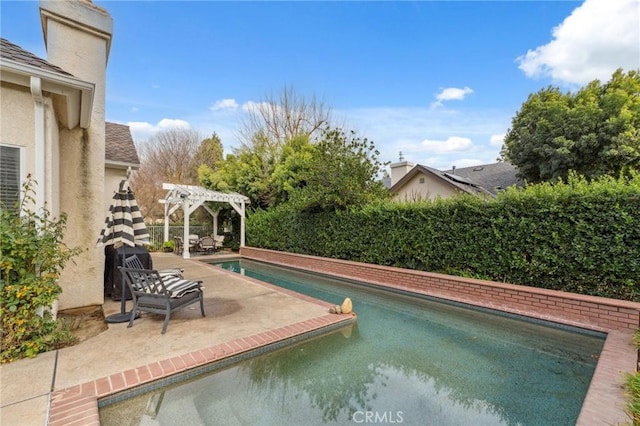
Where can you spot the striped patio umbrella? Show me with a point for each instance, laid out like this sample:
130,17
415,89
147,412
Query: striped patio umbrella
124,226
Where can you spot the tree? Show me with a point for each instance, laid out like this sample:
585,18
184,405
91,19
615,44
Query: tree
247,171
169,156
342,172
296,158
209,153
284,117
595,131
276,128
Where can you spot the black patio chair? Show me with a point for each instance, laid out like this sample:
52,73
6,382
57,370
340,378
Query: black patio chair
134,262
178,245
160,295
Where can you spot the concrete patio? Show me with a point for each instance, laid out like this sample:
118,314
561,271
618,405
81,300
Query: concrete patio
62,387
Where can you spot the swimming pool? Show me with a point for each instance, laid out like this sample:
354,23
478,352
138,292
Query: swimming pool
408,360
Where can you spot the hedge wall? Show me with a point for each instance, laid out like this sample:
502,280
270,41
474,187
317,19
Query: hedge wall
580,236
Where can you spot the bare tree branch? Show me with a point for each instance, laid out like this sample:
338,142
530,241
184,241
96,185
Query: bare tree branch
283,117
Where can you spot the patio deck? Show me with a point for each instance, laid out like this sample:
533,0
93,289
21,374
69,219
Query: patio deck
242,314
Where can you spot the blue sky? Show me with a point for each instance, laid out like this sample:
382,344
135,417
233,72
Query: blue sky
437,80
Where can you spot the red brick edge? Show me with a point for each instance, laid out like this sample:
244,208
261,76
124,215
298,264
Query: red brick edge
78,405
590,312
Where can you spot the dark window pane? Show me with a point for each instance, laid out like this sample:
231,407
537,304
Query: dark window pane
9,176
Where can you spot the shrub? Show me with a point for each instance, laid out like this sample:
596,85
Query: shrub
632,388
579,236
32,256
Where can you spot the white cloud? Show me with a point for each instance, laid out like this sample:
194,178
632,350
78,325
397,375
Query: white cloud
497,140
597,38
141,130
451,94
404,129
253,106
452,144
169,123
225,104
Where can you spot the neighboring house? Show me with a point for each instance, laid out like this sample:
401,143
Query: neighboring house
52,126
120,155
411,182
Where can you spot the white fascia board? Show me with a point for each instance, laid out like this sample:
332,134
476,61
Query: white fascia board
78,93
121,165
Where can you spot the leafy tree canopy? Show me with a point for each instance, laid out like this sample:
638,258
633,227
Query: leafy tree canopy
338,171
594,131
247,171
342,171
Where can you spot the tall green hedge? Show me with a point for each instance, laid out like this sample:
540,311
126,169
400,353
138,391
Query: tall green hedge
581,237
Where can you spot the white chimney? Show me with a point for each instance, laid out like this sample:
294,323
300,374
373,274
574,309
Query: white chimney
399,169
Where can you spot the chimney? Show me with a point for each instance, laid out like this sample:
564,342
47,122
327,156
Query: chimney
453,170
399,169
77,35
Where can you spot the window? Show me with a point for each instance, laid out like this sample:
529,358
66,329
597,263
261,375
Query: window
11,159
421,180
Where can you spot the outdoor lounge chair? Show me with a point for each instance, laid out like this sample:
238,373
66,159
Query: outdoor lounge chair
178,245
160,295
219,241
134,262
207,244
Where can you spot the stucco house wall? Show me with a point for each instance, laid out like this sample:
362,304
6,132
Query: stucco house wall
54,111
423,187
17,119
18,129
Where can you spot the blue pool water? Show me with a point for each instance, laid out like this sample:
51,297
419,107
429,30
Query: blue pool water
407,361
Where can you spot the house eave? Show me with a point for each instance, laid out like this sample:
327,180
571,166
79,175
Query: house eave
121,165
78,94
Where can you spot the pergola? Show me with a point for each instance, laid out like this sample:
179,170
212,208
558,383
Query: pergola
189,198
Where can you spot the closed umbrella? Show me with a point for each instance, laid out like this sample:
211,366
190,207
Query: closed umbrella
124,226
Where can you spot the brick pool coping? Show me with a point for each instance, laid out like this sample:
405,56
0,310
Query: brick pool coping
605,399
78,405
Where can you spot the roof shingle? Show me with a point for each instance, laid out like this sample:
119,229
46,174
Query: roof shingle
15,53
119,146
493,177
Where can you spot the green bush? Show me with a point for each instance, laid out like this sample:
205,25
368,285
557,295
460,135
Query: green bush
579,236
32,256
632,388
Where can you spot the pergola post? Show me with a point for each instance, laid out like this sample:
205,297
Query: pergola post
242,237
185,229
166,222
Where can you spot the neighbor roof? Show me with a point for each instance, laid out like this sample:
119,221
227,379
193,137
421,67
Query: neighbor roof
486,179
119,147
461,184
15,53
493,177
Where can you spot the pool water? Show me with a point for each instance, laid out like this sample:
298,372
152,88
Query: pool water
407,361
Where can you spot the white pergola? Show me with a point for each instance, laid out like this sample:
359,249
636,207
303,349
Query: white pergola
189,198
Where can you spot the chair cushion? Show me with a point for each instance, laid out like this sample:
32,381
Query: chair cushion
177,287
